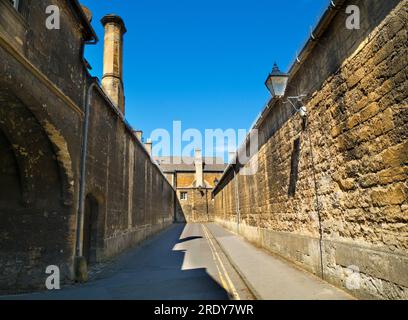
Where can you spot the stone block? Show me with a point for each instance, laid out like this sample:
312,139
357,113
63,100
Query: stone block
391,196
370,111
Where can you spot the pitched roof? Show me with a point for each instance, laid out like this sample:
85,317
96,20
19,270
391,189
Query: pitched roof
172,164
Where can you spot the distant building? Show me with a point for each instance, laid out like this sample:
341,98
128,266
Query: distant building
194,179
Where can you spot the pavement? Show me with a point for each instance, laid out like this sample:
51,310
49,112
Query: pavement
272,278
195,262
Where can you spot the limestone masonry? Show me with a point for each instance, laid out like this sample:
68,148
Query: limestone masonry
332,197
44,82
78,185
194,184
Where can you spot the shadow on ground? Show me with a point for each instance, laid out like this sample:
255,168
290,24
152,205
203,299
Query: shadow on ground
156,270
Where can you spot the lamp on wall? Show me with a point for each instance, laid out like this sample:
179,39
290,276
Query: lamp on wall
277,82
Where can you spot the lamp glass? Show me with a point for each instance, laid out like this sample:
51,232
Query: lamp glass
277,82
277,85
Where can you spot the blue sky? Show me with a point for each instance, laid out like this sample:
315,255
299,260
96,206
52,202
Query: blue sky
202,62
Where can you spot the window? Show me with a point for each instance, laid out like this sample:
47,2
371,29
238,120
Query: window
14,3
183,196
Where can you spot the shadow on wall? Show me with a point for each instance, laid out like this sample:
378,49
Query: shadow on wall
294,168
179,215
198,207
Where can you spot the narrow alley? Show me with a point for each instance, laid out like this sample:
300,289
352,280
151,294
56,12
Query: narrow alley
213,150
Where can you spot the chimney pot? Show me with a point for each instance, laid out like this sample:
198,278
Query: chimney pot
148,146
138,134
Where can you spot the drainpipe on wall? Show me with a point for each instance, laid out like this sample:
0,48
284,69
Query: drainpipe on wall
206,203
237,200
317,204
81,272
238,209
175,197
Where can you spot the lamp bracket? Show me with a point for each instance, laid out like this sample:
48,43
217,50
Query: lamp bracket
295,101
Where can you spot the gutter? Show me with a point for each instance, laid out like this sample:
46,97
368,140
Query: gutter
316,34
90,32
257,123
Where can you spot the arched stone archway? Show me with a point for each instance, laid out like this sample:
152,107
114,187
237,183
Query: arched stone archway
36,190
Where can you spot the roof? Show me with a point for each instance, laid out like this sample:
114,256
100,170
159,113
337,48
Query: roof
173,164
89,31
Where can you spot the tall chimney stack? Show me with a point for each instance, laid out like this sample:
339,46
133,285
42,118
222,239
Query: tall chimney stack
112,80
198,161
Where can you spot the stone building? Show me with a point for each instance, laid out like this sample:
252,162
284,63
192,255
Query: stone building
331,196
194,179
76,185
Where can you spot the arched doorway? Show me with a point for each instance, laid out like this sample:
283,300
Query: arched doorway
90,233
35,214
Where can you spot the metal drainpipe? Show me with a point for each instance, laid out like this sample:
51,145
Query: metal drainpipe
317,204
206,203
84,151
237,199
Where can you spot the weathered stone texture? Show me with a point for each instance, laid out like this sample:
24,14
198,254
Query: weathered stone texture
352,161
43,81
198,207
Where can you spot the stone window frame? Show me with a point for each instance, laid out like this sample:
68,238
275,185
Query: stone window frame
183,195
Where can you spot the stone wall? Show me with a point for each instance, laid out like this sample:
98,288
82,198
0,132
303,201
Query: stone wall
199,205
134,196
334,194
43,85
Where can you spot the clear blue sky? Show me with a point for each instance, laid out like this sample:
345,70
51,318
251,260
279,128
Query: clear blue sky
203,62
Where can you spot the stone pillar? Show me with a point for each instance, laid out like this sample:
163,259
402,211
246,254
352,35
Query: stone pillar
112,80
148,146
139,134
198,161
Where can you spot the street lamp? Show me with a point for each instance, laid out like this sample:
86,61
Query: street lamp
277,81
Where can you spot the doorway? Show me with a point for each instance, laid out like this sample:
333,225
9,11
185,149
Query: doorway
90,234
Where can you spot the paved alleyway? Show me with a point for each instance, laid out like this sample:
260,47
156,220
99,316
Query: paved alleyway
179,263
197,261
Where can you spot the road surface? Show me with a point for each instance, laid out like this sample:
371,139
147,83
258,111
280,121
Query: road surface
183,262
